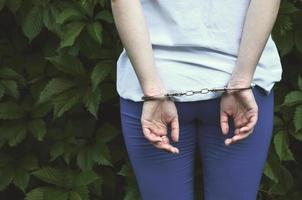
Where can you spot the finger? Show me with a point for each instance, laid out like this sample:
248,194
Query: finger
250,125
150,136
224,123
154,128
240,120
175,129
236,138
165,145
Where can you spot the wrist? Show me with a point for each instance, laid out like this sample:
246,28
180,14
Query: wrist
239,82
152,90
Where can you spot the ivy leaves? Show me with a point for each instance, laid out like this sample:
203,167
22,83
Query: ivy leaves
55,72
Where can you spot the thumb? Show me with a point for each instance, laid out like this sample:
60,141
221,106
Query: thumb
175,129
224,122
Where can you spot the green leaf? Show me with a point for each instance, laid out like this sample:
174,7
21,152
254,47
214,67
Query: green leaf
83,192
84,159
40,110
92,101
54,87
298,40
21,179
88,6
95,30
298,118
283,26
66,101
297,135
101,154
29,162
2,90
13,132
6,175
56,150
69,14
293,98
125,170
287,8
35,194
99,73
2,4
13,5
50,175
74,196
285,42
269,171
9,73
33,22
16,134
37,128
85,178
11,88
47,193
106,16
281,146
68,154
11,110
71,32
102,3
68,64
49,14
300,82
132,193
285,181
106,132
55,194
96,187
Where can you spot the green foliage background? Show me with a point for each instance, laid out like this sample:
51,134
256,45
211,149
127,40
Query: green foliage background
60,134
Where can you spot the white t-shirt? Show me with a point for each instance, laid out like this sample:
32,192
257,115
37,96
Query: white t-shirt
195,45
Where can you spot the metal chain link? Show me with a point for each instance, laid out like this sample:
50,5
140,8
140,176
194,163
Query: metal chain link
192,92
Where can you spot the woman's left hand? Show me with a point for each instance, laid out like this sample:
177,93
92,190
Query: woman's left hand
240,105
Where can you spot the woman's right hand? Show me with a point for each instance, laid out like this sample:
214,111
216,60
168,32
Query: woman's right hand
157,115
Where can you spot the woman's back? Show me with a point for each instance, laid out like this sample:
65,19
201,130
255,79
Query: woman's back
195,45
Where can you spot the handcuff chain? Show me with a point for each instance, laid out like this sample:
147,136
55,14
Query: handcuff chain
192,92
205,91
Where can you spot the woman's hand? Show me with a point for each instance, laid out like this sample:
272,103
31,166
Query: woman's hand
241,105
157,115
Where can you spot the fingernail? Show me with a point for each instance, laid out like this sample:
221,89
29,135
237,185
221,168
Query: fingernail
227,141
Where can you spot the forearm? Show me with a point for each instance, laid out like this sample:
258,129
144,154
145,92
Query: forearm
259,21
132,29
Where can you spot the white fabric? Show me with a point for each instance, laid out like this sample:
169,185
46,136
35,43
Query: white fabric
195,45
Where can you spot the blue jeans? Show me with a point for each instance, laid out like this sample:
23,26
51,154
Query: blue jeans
229,172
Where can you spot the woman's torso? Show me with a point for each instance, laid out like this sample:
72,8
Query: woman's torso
195,45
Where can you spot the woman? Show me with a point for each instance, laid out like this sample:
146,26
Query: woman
183,45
